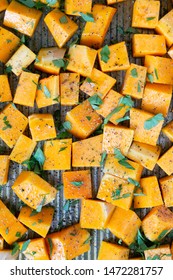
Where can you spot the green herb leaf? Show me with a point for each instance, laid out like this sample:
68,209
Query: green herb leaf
59,187
114,111
134,182
150,77
77,183
7,230
51,2
39,208
134,73
62,149
87,241
152,122
8,69
156,73
122,159
139,87
124,163
88,118
50,245
95,101
127,101
28,3
6,123
8,41
15,249
123,119
18,234
25,245
23,39
117,194
105,53
63,19
61,62
33,213
69,203
87,17
132,30
67,125
46,92
150,18
88,80
118,154
103,158
162,234
39,156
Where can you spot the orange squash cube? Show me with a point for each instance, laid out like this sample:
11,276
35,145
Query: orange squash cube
75,7
168,130
5,91
165,27
4,167
165,161
69,88
36,249
170,52
3,5
111,251
166,185
163,252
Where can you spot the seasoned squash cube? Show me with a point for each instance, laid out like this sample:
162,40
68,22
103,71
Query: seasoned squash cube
68,243
69,88
1,243
111,251
61,26
166,185
124,224
39,222
57,154
165,27
114,57
4,167
87,152
98,82
170,52
163,252
10,228
12,124
101,213
145,14
23,149
3,5
75,7
42,127
165,161
33,190
77,184
5,91
168,130
36,249
157,223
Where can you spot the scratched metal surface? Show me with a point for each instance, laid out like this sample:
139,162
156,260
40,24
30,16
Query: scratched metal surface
42,38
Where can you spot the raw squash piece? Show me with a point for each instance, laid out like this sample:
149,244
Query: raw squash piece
5,91
170,52
148,195
116,191
157,223
145,14
48,92
113,167
87,152
138,120
10,228
124,224
57,154
23,149
69,88
33,190
120,137
98,82
160,69
166,185
146,155
26,89
48,58
110,251
81,59
168,130
163,252
39,222
8,44
94,33
22,18
36,249
22,58
116,57
165,161
144,44
157,98
77,184
101,213
68,243
42,126
75,7
12,124
134,81
4,167
61,26
1,243
165,27
3,5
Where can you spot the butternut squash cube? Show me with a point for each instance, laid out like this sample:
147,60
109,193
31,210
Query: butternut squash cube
98,82
77,184
75,7
117,59
87,152
110,251
114,167
166,185
165,27
5,91
8,44
81,59
117,137
160,69
101,213
68,243
69,88
170,52
42,126
157,98
12,124
168,130
36,249
84,120
22,18
23,149
124,224
57,154
22,58
94,33
4,167
152,44
157,223
145,14
33,190
3,5
1,243
48,92
165,161
10,228
163,252
39,222
116,191
134,81
145,154
147,136
61,26
149,194
47,58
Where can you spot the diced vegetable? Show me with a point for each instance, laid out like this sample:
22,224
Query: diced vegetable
69,88
165,27
3,5
162,252
74,7
168,130
166,185
165,161
111,251
36,249
4,167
